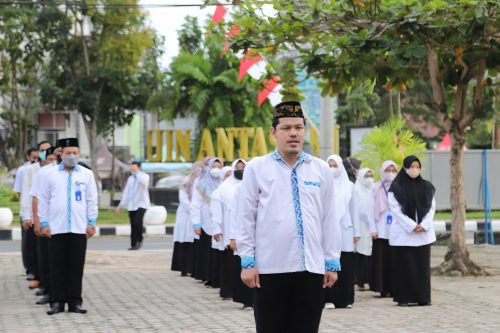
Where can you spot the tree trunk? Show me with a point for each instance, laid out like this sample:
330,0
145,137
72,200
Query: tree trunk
457,261
4,156
91,130
398,108
391,108
112,196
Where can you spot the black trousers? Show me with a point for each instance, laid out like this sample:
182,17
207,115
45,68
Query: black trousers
67,258
289,302
241,293
32,248
43,263
136,217
26,254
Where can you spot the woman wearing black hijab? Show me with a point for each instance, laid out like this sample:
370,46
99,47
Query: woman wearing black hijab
412,203
352,166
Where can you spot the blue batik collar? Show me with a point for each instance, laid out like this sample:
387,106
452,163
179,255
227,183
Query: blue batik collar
303,156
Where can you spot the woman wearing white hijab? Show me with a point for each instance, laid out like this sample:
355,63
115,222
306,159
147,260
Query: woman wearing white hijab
381,253
362,220
184,236
200,218
341,295
221,224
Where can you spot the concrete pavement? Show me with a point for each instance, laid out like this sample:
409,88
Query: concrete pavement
135,291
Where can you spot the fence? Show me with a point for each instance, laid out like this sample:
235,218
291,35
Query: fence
436,168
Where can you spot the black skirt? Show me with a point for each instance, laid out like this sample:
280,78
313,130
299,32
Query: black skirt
362,268
226,274
241,293
342,292
412,274
215,256
202,257
381,273
182,258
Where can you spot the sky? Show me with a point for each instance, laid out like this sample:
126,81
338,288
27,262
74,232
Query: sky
166,21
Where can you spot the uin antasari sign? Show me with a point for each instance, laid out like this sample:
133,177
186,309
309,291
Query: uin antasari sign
252,142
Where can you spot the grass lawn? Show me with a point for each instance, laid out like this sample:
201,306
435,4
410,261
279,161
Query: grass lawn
106,216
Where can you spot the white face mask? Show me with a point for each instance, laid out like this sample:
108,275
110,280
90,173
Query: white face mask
335,171
390,176
413,172
214,172
368,182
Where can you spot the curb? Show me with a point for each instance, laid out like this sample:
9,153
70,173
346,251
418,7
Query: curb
119,230
441,227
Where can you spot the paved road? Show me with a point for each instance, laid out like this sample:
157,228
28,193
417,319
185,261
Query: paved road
112,243
135,291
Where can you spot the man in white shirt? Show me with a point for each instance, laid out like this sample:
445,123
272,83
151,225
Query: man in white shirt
67,208
289,237
26,211
27,234
136,199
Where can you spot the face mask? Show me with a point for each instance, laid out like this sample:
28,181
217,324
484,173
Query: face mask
335,171
214,172
238,174
413,172
42,155
368,182
70,160
390,176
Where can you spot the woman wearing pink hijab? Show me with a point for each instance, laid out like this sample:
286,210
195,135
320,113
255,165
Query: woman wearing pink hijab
381,253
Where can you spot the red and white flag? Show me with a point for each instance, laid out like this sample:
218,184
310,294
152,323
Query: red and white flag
219,14
246,63
268,87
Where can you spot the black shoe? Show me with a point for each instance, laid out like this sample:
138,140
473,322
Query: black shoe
404,305
44,300
133,248
56,308
40,292
384,295
77,309
425,304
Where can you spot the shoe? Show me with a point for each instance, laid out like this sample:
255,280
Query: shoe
139,245
247,308
30,277
362,288
55,308
349,306
403,305
384,295
34,284
77,309
329,306
44,300
40,292
425,304
133,248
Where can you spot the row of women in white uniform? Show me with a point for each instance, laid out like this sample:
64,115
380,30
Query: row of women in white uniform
389,221
204,232
387,229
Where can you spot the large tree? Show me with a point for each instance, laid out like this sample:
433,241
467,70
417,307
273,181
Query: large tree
454,45
97,65
27,33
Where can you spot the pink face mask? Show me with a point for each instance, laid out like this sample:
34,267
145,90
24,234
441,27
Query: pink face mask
413,172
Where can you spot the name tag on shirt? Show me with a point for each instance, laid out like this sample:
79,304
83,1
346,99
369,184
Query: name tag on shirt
389,219
78,195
